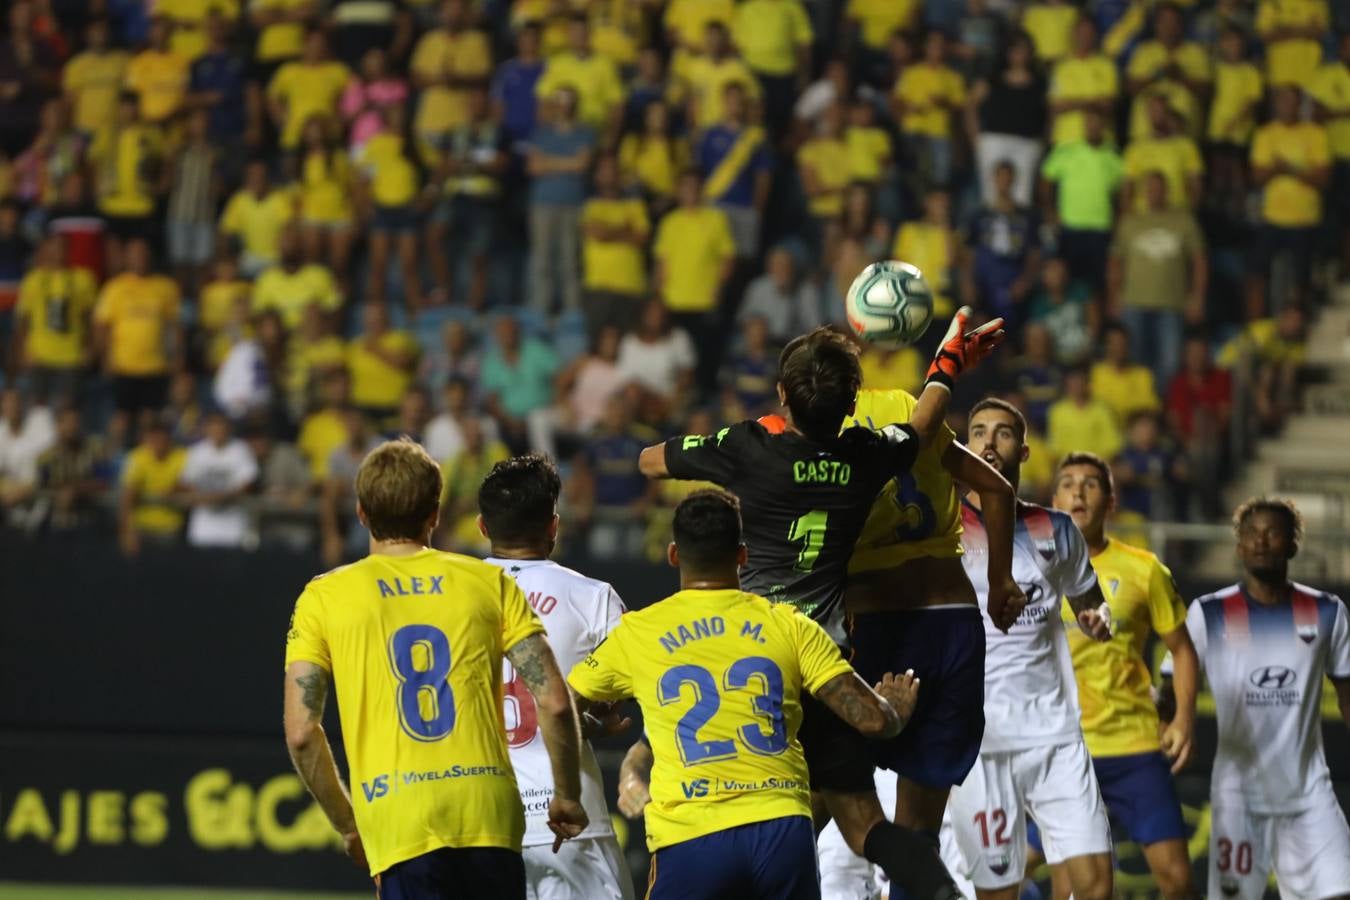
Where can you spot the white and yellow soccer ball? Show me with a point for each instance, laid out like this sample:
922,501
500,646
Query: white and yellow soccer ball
889,304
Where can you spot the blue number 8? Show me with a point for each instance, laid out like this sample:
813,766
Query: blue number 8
767,702
427,681
917,518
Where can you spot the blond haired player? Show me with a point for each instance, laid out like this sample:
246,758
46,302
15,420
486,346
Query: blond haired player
415,639
1134,759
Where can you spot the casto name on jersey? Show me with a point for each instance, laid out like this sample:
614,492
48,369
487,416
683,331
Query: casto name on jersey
709,626
821,471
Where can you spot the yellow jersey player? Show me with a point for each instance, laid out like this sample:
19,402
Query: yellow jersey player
720,675
415,640
1115,688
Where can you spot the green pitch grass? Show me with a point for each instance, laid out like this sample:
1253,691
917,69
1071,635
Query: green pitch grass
98,892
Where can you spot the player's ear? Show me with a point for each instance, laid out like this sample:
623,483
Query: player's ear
742,556
1026,452
482,527
782,394
553,527
361,516
673,554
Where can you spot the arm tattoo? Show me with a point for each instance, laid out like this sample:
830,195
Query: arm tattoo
315,687
845,696
530,657
1091,600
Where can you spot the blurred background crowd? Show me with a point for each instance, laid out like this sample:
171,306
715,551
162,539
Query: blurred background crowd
242,241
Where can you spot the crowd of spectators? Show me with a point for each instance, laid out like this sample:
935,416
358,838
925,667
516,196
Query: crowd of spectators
240,242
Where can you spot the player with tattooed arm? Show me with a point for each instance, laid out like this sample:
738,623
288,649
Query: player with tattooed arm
720,675
414,639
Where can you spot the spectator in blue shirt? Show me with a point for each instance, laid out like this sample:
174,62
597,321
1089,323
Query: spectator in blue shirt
733,158
751,372
1006,253
619,489
218,83
513,99
1148,474
1035,376
560,155
516,380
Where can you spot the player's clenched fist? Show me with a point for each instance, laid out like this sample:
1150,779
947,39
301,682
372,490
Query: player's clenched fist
566,819
634,795
1096,623
901,692
1006,602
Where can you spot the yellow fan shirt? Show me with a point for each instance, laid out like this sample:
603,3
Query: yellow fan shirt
139,312
307,91
719,676
154,479
917,514
466,55
55,304
1115,687
415,645
1287,201
94,80
1091,78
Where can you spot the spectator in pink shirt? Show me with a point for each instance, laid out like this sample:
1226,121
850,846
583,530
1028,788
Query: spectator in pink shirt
367,95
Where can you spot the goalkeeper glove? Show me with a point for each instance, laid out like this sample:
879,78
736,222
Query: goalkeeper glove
961,350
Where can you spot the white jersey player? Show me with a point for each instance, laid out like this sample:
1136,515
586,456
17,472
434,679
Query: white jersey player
1033,762
516,504
1265,645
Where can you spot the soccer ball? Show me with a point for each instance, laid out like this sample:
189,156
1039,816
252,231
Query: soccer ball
889,304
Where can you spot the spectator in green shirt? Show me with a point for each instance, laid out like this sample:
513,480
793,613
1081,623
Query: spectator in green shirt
516,380
1157,278
1081,179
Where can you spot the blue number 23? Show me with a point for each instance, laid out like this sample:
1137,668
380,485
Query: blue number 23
756,675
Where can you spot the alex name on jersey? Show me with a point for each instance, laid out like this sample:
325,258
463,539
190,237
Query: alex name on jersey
577,612
1030,697
1265,666
803,503
918,513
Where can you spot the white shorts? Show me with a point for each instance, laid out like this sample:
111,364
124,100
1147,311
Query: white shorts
846,876
1309,850
583,869
1053,785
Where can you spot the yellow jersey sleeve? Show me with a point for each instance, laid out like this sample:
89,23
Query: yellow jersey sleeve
820,659
305,639
605,673
519,621
917,514
1165,606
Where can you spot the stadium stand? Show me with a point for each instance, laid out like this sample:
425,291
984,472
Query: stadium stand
240,240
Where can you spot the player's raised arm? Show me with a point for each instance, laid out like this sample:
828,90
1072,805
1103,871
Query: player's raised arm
960,350
652,461
998,504
306,694
534,662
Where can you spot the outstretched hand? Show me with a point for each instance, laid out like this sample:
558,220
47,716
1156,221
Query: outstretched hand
961,349
901,692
